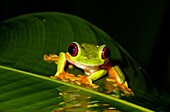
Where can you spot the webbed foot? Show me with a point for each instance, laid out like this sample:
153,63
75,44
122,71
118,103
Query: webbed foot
123,88
51,58
64,76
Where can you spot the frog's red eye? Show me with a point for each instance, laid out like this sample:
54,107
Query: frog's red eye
105,52
73,49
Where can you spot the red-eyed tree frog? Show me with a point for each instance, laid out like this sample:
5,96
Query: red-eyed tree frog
94,60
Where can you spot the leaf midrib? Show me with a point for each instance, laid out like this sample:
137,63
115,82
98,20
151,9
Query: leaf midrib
130,105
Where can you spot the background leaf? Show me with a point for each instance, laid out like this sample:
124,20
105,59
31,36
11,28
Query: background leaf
25,39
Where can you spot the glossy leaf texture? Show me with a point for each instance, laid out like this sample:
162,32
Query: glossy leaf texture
25,84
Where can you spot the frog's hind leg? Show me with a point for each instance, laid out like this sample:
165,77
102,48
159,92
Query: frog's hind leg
117,77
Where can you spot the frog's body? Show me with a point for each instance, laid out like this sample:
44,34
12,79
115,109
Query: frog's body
93,59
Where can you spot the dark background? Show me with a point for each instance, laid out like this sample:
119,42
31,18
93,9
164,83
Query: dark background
142,27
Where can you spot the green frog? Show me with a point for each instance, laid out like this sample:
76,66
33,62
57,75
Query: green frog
94,60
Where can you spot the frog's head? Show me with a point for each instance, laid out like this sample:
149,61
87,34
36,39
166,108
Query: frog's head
88,54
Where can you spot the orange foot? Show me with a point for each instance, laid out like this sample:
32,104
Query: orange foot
65,77
127,91
84,80
122,87
51,58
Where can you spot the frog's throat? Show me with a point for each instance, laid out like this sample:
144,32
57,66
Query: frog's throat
87,68
82,65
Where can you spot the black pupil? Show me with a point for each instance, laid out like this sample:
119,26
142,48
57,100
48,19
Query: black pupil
106,52
72,50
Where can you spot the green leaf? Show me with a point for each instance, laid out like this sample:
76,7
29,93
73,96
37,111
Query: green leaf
32,91
25,85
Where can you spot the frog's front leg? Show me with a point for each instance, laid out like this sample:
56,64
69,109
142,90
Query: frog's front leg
62,59
92,77
51,58
117,76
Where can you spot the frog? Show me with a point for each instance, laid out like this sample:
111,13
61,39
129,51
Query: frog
93,60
